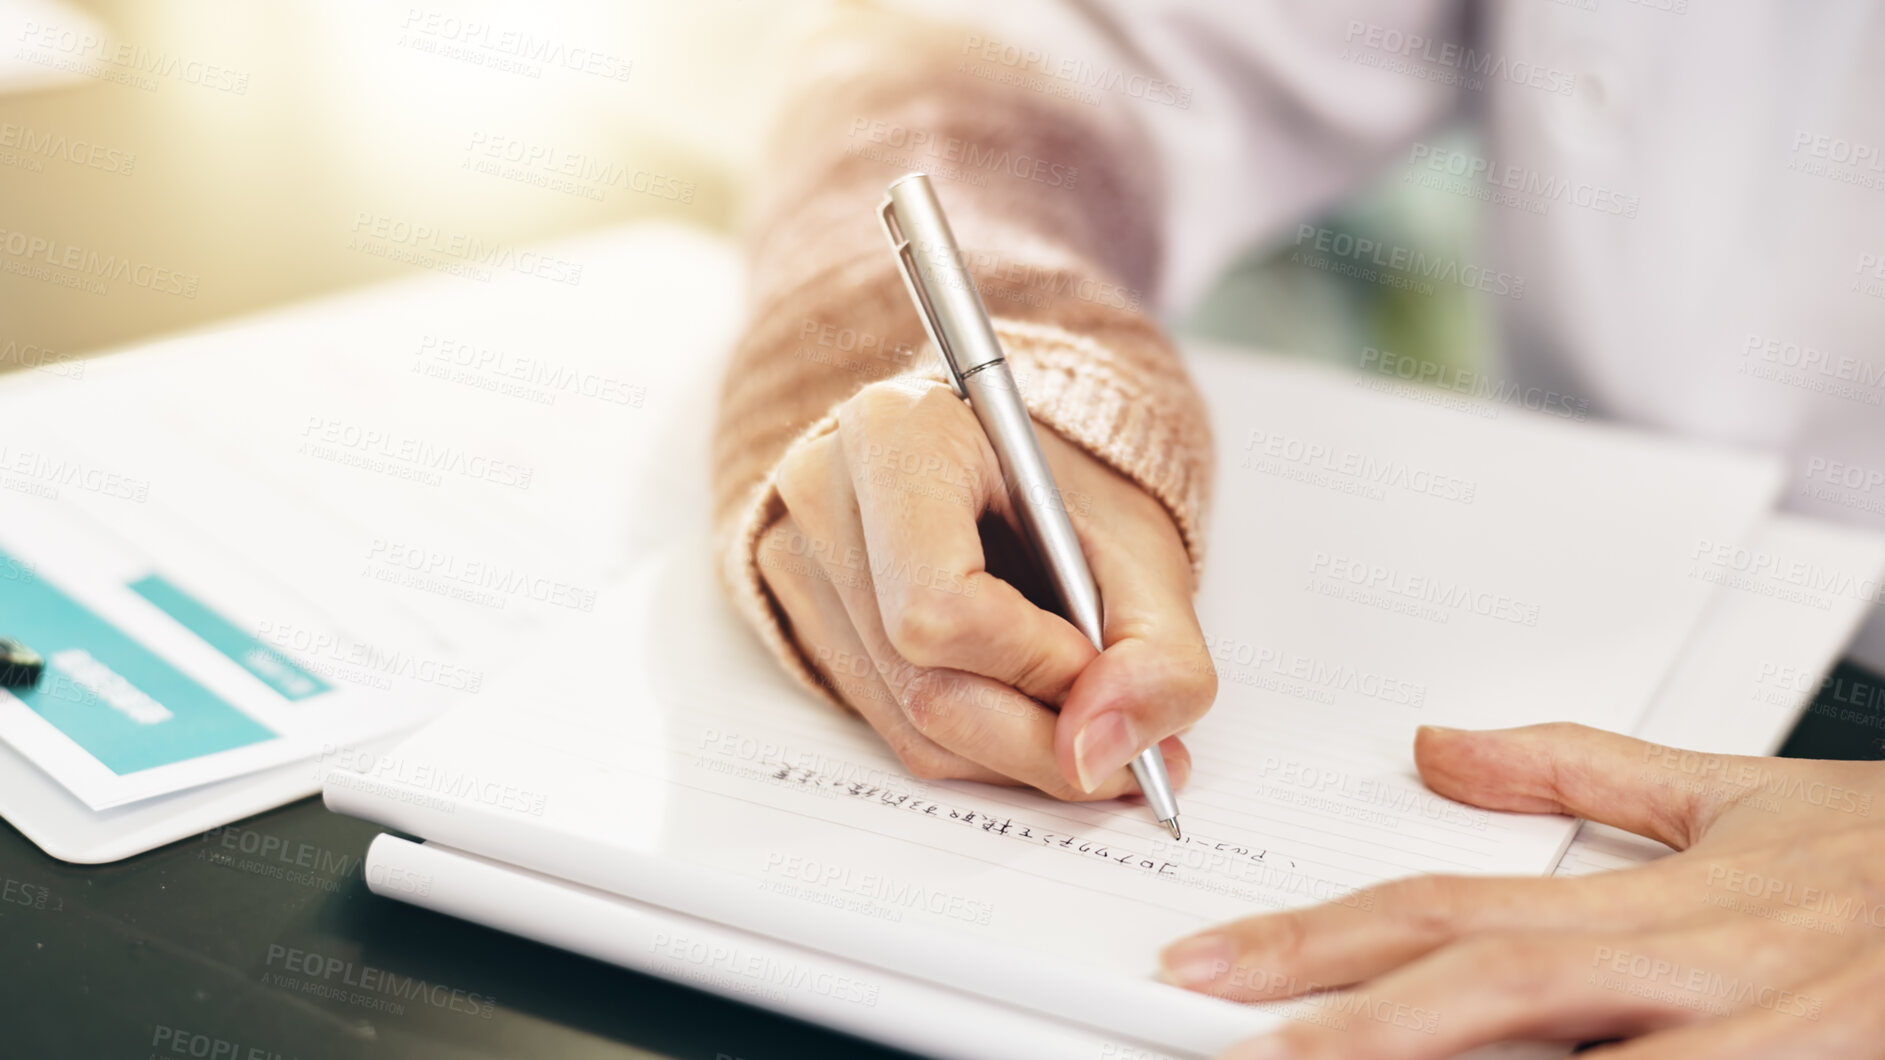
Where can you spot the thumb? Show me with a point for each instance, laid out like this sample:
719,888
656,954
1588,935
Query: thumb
1665,794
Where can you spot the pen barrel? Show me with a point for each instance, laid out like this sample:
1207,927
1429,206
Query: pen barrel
1036,498
1155,783
944,291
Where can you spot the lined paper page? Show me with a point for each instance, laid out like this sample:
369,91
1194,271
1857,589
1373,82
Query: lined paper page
1756,663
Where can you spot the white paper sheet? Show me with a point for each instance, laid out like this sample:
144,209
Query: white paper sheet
1771,637
69,549
1756,663
398,489
844,995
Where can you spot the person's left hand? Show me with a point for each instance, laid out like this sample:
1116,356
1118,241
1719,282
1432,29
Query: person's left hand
1764,936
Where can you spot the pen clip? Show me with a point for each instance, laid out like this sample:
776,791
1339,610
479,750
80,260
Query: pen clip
912,280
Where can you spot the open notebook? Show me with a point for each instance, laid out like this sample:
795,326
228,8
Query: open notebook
660,796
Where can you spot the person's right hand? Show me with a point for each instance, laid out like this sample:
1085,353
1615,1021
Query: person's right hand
879,565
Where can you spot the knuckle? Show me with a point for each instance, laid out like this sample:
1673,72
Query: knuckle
1288,937
927,628
902,428
1195,687
801,474
927,767
1428,905
940,398
1269,948
1518,963
925,762
1182,682
1562,730
927,701
882,401
1042,666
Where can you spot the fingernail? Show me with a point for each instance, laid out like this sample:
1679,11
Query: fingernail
1438,728
1268,1047
1106,744
1198,960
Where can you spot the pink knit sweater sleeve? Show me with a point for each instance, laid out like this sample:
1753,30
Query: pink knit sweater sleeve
1055,204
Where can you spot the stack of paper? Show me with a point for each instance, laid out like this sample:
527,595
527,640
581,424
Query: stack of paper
656,794
249,547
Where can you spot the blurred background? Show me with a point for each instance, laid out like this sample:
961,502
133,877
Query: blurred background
236,152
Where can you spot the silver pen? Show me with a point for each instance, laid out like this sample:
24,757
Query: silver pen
953,315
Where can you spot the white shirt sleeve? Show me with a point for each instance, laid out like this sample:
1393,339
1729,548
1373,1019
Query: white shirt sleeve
1261,111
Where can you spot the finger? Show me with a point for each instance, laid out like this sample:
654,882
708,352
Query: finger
1371,931
923,473
1155,677
818,623
1572,769
1491,988
988,722
1835,1017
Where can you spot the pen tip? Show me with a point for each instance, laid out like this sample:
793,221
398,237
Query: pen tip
1172,827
